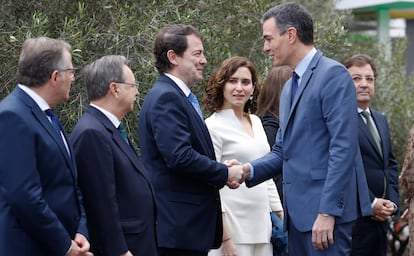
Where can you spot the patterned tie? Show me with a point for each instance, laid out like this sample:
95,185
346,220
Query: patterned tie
55,121
194,101
295,79
123,132
372,130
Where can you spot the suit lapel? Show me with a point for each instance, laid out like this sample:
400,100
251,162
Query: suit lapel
118,140
378,120
41,117
304,82
367,134
194,117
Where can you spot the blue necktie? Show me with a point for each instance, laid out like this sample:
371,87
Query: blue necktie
194,101
123,132
55,121
295,79
58,127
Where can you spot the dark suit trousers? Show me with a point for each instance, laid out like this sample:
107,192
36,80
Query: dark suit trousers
162,251
369,237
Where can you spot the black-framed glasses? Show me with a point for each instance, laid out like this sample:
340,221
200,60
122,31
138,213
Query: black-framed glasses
130,84
72,71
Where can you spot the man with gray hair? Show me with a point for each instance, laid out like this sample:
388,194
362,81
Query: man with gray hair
118,195
41,210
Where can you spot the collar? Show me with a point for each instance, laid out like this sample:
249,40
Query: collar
180,84
361,110
114,120
304,63
36,97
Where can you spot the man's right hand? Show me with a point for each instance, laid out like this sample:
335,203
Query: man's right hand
235,175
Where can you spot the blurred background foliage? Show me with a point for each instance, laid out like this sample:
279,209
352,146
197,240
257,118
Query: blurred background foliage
229,27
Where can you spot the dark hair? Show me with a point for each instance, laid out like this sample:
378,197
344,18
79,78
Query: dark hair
103,71
292,15
269,97
171,37
360,60
213,96
39,58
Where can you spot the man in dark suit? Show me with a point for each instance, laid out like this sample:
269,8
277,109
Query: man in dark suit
177,149
118,195
41,211
325,188
369,236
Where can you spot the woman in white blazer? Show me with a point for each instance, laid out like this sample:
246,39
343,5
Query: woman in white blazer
230,94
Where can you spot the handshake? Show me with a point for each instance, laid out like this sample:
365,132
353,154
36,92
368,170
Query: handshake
237,173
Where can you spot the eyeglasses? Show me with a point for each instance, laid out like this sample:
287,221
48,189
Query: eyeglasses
130,84
368,79
72,71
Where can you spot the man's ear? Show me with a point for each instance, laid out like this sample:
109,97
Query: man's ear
172,57
54,75
113,89
292,33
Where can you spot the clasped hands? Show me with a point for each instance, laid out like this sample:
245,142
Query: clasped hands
80,246
382,210
237,173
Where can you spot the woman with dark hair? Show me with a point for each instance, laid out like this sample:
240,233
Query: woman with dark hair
230,94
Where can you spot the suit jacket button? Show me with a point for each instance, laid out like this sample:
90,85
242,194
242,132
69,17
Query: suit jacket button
77,217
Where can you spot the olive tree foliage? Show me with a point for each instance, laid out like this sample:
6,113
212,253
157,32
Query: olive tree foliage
128,27
394,90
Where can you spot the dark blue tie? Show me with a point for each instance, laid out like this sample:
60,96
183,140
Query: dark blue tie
55,121
123,132
295,79
194,101
58,127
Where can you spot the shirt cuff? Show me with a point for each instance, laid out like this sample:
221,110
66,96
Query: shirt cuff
251,171
373,202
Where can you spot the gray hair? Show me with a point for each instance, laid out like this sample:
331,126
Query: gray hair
39,58
100,73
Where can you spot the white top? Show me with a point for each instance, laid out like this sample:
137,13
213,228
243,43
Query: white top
246,209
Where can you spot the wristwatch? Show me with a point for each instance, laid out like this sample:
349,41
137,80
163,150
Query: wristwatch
325,215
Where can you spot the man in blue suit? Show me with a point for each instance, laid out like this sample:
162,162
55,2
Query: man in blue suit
369,236
41,211
117,192
325,189
177,149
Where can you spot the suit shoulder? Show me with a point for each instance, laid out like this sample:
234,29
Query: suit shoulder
376,112
87,126
330,64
